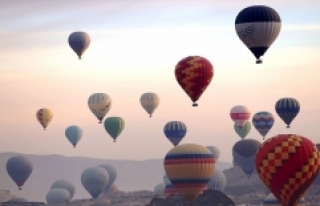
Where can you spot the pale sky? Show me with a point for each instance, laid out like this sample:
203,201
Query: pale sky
134,48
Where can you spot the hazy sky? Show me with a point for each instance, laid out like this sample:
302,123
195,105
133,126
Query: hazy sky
134,48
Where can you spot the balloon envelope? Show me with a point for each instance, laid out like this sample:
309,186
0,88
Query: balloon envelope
150,102
287,109
244,130
240,114
244,152
189,168
64,184
44,117
258,27
99,104
175,131
287,164
215,151
159,190
94,180
73,134
58,196
112,174
79,42
19,169
263,122
194,74
218,181
114,126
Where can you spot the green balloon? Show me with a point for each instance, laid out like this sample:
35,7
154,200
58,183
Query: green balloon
114,126
243,131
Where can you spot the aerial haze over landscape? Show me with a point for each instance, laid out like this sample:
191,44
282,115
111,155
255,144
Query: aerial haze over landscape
137,47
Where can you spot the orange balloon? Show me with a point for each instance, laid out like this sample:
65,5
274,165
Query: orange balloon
288,164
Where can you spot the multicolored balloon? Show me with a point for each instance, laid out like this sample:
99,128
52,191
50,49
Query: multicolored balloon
215,151
44,117
194,74
240,114
114,126
189,168
258,27
243,131
244,153
99,104
287,109
79,42
150,102
263,122
175,131
73,134
288,164
19,169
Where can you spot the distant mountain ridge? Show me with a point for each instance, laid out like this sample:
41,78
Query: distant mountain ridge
132,175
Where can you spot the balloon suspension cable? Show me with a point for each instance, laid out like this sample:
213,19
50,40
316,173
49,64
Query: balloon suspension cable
263,138
150,115
79,57
100,122
195,104
288,126
44,128
259,61
20,188
114,140
74,146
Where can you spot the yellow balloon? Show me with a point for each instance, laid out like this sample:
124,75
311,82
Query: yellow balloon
44,117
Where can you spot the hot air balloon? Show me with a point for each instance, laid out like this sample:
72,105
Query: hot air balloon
258,27
175,131
94,180
99,104
244,152
79,42
150,102
159,190
170,190
189,168
271,200
194,74
64,184
287,109
215,151
112,190
218,181
263,122
55,196
240,114
114,126
18,199
44,117
287,164
243,131
19,169
73,134
112,174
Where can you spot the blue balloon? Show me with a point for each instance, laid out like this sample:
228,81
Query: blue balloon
244,154
175,131
287,109
74,134
263,122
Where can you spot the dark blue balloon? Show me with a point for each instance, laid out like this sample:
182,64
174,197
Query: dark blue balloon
175,131
287,109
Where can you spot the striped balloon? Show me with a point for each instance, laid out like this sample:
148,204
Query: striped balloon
263,122
79,41
189,168
240,114
175,131
244,153
258,27
288,164
194,74
150,102
44,117
99,104
287,109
